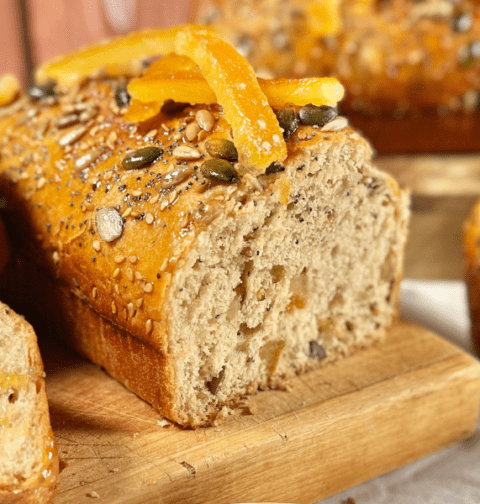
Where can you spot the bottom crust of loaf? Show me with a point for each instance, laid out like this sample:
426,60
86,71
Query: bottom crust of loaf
58,313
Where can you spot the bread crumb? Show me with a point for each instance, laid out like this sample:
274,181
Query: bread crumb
164,423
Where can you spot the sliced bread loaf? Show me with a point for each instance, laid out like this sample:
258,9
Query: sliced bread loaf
28,456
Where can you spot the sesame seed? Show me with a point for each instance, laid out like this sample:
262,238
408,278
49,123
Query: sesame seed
138,275
119,259
148,288
131,309
133,259
41,182
127,212
96,245
163,204
149,326
114,307
139,302
116,273
94,293
137,192
56,257
129,273
149,219
155,198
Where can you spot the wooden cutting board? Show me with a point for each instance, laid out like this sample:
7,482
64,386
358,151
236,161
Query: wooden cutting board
336,427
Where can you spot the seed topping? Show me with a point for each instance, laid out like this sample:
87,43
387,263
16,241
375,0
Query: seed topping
288,120
220,170
141,157
37,91
205,119
186,152
337,124
312,115
72,136
109,223
222,148
121,96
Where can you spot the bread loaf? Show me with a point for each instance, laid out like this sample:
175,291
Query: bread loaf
412,66
198,292
28,456
164,252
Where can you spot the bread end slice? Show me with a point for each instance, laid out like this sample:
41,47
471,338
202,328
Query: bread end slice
29,463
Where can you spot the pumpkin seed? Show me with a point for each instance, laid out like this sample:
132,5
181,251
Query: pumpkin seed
288,120
109,223
141,157
121,96
313,115
220,170
39,91
274,168
222,148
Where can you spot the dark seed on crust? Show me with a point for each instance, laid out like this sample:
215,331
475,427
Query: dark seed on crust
288,120
141,157
121,96
462,21
109,223
222,148
220,170
274,168
39,91
469,54
316,351
216,381
313,115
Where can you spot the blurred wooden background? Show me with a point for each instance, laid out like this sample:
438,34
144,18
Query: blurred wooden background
36,30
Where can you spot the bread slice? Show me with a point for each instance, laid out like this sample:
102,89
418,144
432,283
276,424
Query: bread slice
199,292
28,455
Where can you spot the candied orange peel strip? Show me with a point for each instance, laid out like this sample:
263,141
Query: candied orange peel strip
173,77
190,86
9,89
110,54
256,131
315,90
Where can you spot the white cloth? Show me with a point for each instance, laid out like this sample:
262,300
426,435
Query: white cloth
451,476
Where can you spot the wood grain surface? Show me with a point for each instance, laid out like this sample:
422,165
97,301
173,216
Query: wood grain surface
444,188
336,427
